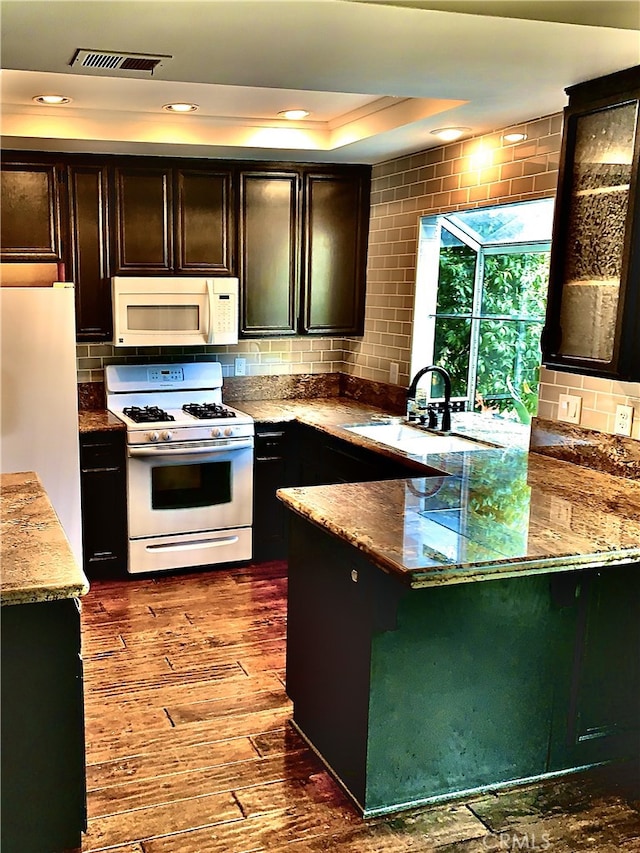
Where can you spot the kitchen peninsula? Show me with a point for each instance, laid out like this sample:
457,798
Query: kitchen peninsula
43,757
455,633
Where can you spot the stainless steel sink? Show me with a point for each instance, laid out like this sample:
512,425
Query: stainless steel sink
415,441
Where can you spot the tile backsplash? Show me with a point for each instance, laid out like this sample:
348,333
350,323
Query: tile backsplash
264,357
599,399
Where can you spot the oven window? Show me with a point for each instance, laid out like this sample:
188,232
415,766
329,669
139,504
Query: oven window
189,486
163,318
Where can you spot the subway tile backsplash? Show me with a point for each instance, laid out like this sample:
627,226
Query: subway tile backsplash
265,357
599,399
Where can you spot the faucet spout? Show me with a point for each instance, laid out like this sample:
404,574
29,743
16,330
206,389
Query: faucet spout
446,378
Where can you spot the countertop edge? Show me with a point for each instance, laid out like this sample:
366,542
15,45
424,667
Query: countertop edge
423,578
37,594
37,562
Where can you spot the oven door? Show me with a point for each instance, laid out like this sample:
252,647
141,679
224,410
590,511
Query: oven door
189,487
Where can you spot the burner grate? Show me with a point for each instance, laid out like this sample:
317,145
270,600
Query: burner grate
207,411
147,414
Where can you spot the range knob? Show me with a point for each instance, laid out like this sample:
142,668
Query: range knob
153,436
228,430
166,435
215,433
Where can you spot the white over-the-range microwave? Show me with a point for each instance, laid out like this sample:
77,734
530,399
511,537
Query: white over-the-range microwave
174,310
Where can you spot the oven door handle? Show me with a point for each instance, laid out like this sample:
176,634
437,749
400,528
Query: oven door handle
168,450
190,546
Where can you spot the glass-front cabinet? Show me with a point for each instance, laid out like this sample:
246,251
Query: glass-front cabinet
592,323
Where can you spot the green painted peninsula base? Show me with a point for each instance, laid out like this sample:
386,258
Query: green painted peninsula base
414,695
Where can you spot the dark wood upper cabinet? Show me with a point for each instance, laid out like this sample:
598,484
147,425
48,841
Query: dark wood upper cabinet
593,309
143,238
89,250
204,233
303,250
268,229
335,228
294,234
30,212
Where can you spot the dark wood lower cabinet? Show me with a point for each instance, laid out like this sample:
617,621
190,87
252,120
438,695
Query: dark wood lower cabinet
273,470
104,503
597,713
293,454
324,459
43,792
411,695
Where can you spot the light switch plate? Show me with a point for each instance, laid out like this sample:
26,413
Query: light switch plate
240,366
569,408
624,420
394,370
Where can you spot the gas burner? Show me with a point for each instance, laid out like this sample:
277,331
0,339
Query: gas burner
207,411
147,414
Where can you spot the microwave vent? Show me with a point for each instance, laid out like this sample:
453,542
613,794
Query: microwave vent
117,63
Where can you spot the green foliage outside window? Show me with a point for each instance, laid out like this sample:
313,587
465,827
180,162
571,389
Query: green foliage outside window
513,298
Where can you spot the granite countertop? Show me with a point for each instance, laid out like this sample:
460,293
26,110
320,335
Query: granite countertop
37,563
493,513
98,420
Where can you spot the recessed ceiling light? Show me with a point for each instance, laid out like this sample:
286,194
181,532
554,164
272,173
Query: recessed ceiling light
450,133
514,137
294,115
180,108
51,100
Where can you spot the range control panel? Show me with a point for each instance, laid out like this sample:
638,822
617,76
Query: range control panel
165,374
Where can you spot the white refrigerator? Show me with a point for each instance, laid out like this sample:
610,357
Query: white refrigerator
39,397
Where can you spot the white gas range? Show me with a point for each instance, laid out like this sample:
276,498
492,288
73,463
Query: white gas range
189,466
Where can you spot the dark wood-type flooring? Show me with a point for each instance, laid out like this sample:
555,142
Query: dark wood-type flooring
190,749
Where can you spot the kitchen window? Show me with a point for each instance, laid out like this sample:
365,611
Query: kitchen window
480,304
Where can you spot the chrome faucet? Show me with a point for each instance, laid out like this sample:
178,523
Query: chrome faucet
446,378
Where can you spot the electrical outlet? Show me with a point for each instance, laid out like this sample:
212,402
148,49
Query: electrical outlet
569,408
561,511
240,367
394,370
624,420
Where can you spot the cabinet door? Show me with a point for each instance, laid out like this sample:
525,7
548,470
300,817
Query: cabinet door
43,795
592,311
329,627
29,213
144,221
336,211
598,707
324,459
605,708
268,238
89,217
104,504
271,472
203,222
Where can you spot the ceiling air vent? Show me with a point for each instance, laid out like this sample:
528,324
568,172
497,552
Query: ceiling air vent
113,62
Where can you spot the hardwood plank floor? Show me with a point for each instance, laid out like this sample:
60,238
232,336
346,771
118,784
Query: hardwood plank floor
190,750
